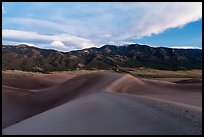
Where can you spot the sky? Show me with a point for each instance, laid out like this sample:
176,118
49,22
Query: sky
66,26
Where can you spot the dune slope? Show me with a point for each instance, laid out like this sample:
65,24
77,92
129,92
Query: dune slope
32,102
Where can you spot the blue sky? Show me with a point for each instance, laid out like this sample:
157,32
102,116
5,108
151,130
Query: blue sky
189,35
70,26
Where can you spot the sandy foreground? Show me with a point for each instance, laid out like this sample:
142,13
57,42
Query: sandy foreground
100,103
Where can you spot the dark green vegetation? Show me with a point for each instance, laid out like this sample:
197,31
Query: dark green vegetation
28,58
155,73
139,73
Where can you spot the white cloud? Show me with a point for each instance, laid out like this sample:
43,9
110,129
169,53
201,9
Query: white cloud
158,17
120,43
17,43
3,10
64,42
185,47
40,25
103,22
57,44
29,44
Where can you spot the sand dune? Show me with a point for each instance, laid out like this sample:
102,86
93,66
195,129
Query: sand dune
37,81
63,105
184,93
189,81
31,82
32,102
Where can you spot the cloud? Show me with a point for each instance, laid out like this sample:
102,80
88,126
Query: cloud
3,10
57,44
120,43
97,23
17,43
185,47
63,42
158,17
40,25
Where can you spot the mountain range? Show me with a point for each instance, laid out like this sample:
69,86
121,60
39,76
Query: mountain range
27,58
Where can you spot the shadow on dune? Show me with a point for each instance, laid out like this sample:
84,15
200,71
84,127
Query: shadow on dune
19,104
